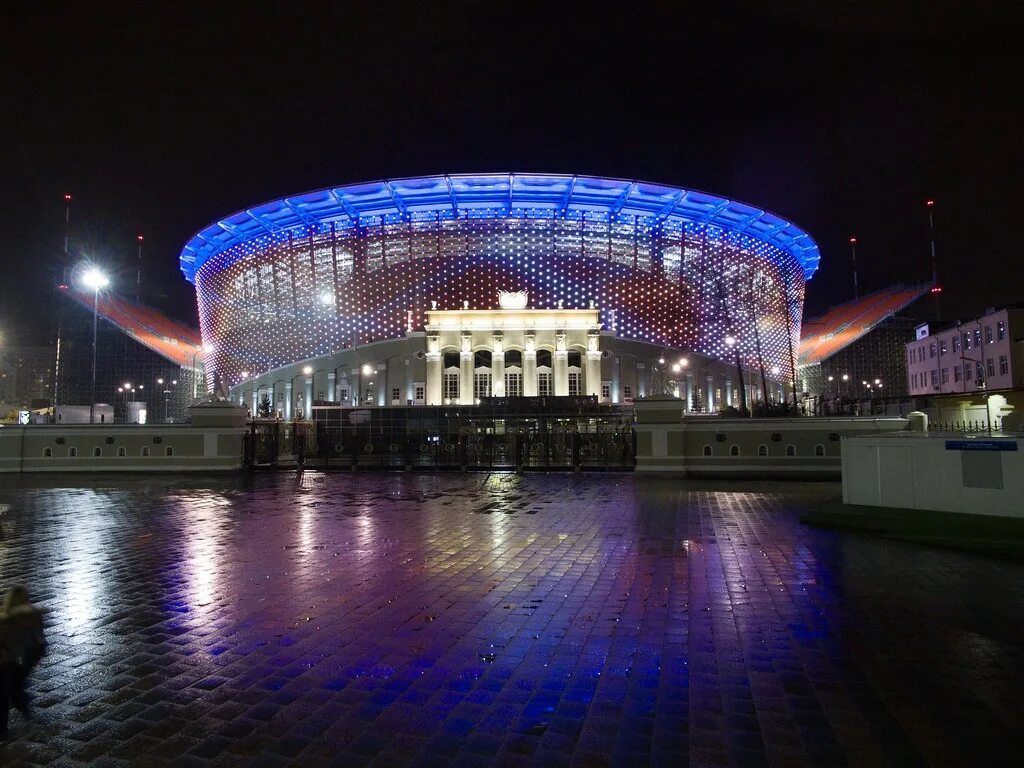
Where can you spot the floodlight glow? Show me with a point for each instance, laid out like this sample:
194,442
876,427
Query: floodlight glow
368,370
308,369
94,279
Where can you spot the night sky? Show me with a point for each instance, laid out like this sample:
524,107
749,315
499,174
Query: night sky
843,119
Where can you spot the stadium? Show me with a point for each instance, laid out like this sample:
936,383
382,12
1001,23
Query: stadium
387,293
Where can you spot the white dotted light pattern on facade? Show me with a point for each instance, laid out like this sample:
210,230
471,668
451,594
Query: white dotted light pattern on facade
313,281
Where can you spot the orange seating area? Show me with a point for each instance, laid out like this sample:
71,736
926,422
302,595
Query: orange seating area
176,341
843,324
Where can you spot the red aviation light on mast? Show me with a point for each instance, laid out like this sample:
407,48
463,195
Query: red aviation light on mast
139,238
929,203
853,241
937,289
68,198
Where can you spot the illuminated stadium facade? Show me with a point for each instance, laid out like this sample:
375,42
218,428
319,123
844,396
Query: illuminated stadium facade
304,298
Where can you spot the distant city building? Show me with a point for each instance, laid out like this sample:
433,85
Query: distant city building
984,353
149,367
855,351
26,377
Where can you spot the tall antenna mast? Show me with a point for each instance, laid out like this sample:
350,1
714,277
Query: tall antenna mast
138,273
936,288
853,252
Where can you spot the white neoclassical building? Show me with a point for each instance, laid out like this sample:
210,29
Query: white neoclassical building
462,356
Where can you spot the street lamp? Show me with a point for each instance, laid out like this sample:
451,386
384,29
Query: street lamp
95,279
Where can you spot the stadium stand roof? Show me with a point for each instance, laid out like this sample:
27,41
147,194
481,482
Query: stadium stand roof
175,341
527,192
843,324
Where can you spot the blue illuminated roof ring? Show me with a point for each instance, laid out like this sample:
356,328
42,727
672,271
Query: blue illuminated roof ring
506,191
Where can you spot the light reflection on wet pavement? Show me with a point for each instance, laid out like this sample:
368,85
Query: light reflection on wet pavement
471,619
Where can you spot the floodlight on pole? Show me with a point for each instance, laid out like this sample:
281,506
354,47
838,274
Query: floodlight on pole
94,279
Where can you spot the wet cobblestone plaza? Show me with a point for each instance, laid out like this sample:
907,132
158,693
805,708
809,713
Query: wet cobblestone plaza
359,619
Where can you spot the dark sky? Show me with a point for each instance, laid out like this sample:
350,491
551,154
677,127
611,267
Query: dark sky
160,118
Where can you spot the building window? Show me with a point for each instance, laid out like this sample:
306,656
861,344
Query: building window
451,386
942,347
977,337
910,359
734,450
1004,365
956,373
97,451
396,396
967,372
513,385
819,450
967,341
575,383
481,385
931,349
707,450
956,343
72,452
544,384
913,381
990,367
1000,330
627,393
988,334
606,390
121,451
935,378
47,453
945,375
145,450
980,371
762,450
791,450
168,451
419,393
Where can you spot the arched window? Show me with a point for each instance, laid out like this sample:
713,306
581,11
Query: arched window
791,450
575,365
72,452
121,451
762,450
145,450
481,374
97,451
47,453
734,450
707,450
819,450
450,382
168,451
513,373
545,383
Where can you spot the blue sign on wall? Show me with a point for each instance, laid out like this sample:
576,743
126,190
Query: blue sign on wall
981,445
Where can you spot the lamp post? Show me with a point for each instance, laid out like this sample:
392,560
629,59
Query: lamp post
95,279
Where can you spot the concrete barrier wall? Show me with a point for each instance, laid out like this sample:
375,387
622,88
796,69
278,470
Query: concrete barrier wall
213,443
917,471
667,441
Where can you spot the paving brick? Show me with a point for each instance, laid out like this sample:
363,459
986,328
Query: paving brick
355,619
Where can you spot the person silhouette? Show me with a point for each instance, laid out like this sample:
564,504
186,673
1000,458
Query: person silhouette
22,645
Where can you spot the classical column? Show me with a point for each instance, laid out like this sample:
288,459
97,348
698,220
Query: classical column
332,394
560,363
641,380
497,366
530,364
255,399
288,399
434,378
308,405
466,369
593,375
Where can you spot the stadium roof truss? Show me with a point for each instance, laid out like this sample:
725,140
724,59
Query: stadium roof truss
536,194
